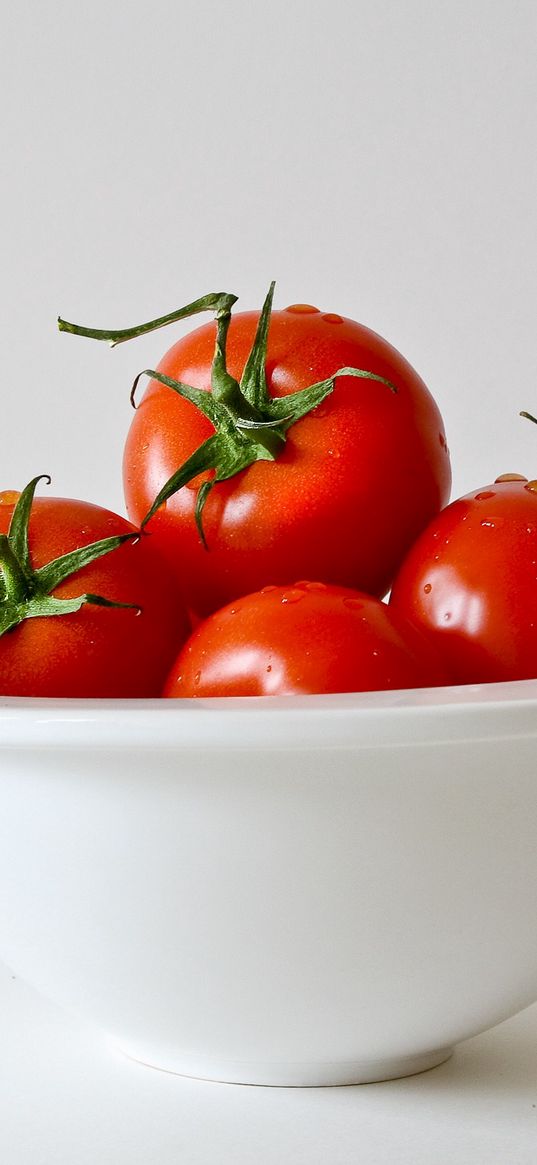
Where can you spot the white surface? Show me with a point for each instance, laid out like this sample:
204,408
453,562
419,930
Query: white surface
67,1098
329,890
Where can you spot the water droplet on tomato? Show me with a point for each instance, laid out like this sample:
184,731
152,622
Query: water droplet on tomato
428,588
9,497
292,596
319,412
334,453
485,495
531,486
447,616
268,589
509,477
332,317
491,525
197,678
310,586
302,309
353,604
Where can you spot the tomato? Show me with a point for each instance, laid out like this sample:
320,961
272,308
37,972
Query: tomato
302,639
342,497
96,650
470,582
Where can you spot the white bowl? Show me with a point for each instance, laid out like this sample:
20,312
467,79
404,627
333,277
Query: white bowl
298,891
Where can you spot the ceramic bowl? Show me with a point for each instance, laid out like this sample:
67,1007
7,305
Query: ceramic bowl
297,891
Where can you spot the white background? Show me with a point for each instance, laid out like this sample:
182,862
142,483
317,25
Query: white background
377,159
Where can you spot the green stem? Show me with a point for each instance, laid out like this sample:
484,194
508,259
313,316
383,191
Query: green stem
25,592
250,425
219,301
16,584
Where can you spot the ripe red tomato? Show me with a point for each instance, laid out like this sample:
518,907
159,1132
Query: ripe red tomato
303,639
470,581
356,481
96,651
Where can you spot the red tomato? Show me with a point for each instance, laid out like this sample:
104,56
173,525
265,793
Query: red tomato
357,480
470,582
303,639
97,650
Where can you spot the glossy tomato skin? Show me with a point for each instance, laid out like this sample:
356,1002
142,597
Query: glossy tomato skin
303,639
97,651
357,481
470,582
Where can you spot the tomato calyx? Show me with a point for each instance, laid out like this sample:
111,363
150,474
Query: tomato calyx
25,593
250,425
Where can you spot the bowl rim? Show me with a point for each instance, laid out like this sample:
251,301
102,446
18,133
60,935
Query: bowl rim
410,717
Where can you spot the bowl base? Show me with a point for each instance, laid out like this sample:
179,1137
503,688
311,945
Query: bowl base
321,1074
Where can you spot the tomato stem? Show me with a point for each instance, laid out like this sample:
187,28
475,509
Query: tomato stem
25,592
218,301
250,425
14,579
